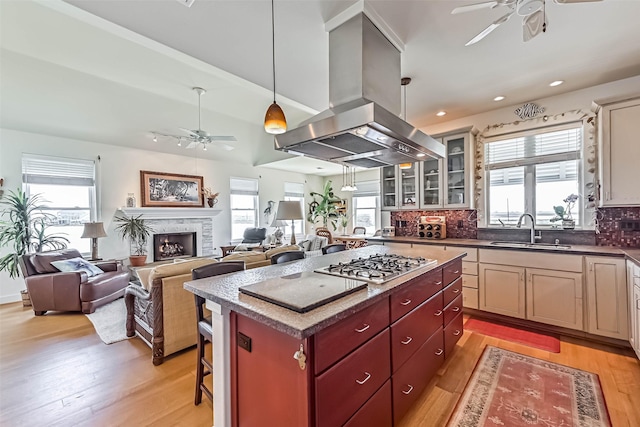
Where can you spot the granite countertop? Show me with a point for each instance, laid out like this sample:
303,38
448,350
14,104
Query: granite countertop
224,290
630,253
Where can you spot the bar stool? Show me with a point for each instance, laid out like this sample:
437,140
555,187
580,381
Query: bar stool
336,247
286,256
205,331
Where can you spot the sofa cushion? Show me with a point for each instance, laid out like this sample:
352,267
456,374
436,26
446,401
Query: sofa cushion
42,261
283,248
174,269
77,264
248,256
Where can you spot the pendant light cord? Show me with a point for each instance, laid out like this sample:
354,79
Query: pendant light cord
273,50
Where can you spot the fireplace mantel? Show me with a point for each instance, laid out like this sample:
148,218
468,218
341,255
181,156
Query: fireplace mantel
162,213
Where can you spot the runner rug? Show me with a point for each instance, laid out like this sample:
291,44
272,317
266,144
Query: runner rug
532,339
510,389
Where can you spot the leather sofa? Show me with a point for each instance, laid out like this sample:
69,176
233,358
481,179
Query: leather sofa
53,290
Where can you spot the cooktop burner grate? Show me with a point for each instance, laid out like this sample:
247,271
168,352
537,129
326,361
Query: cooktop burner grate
376,268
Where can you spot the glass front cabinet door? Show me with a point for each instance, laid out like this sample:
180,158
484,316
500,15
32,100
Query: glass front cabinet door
430,184
389,187
408,174
457,174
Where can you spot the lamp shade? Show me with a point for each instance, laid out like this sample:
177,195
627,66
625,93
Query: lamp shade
274,121
93,230
278,223
289,210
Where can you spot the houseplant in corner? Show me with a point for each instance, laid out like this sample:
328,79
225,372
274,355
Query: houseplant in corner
325,207
137,232
24,229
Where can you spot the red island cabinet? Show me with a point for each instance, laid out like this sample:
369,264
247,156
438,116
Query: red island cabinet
366,370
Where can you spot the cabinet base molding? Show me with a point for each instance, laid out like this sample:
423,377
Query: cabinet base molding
540,327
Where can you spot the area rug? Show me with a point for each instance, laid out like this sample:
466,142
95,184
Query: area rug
510,389
532,339
109,321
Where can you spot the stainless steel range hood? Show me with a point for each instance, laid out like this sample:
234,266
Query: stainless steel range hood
362,127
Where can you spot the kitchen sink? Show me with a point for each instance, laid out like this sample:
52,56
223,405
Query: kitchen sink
530,245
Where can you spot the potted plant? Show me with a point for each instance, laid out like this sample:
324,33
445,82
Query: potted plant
325,207
25,231
564,213
137,232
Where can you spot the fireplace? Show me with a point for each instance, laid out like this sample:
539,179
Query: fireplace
174,245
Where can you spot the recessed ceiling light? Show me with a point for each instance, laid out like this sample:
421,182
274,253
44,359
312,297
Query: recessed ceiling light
441,113
420,155
556,83
498,98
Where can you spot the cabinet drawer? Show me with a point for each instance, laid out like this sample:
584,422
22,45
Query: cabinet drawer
377,410
469,281
470,298
410,332
452,310
415,292
452,334
452,291
336,341
470,268
451,272
409,382
341,390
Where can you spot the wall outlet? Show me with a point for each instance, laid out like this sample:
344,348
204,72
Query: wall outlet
244,342
460,224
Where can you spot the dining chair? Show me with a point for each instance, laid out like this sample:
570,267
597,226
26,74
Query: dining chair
359,230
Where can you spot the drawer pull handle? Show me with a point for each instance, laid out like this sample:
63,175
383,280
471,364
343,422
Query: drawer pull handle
456,291
455,309
406,302
456,333
456,272
407,341
438,283
408,391
439,352
364,380
363,329
438,313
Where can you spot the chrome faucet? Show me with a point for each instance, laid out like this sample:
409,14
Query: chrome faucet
533,225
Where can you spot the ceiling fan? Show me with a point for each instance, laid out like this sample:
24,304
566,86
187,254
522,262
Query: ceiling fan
198,136
534,17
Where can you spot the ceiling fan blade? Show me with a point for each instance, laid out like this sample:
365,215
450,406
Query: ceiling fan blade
533,25
222,138
495,24
476,6
190,132
574,1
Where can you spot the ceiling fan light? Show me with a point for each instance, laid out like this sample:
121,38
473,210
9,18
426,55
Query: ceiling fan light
274,121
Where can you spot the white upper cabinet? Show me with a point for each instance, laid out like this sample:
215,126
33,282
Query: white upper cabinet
400,186
619,152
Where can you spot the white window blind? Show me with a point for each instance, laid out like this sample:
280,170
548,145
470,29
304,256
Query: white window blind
367,188
556,144
57,171
244,186
293,189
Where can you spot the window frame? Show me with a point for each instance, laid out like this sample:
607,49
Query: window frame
239,191
529,164
367,189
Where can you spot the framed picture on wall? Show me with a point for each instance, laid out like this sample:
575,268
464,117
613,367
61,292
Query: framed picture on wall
159,189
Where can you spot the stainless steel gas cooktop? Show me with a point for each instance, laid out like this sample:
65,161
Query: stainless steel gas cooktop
376,268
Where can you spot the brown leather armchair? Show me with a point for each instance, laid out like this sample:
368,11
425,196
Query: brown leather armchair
51,289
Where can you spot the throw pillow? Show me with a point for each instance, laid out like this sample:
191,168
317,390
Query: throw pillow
317,243
304,245
77,264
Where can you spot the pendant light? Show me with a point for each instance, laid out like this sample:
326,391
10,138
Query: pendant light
274,121
404,82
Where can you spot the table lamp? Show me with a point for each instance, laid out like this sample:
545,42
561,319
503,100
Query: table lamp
94,230
289,210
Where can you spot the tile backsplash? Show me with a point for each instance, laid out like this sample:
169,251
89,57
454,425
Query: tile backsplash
611,232
462,224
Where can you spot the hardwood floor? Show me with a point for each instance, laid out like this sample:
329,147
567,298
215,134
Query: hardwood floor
54,370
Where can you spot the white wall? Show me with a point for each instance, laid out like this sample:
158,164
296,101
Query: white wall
120,174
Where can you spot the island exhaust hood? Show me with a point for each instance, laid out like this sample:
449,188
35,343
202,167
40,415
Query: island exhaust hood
362,127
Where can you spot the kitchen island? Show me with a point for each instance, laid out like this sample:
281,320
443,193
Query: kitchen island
365,356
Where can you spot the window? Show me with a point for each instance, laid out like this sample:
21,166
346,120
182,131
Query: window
68,191
244,205
533,172
294,191
366,205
